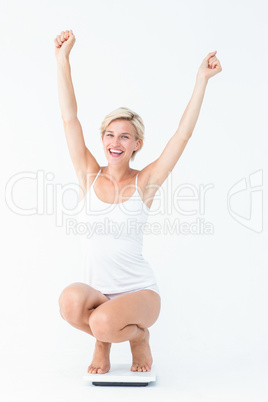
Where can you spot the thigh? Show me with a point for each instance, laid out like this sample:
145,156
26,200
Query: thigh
81,294
141,308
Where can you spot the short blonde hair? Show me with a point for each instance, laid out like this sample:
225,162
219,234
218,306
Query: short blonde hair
123,113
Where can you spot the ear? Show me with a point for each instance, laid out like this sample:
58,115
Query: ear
139,141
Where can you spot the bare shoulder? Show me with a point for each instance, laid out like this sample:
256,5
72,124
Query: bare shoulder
146,186
85,180
145,175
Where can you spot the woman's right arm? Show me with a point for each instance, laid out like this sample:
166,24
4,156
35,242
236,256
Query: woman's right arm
82,158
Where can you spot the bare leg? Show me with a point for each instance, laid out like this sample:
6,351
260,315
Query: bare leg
113,322
77,303
142,359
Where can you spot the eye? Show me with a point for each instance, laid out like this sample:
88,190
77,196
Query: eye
123,135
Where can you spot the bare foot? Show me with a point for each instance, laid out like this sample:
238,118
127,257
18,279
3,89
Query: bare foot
101,358
141,352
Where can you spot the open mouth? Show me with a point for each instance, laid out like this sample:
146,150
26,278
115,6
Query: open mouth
115,154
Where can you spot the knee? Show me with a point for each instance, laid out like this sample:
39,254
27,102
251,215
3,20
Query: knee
101,326
70,304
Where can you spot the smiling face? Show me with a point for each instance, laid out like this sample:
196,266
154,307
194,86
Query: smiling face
119,136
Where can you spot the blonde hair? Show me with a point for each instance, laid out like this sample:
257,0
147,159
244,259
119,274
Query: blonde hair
123,113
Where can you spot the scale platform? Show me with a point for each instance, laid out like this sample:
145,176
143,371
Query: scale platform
121,375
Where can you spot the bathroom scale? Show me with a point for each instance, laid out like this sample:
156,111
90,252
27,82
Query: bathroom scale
121,375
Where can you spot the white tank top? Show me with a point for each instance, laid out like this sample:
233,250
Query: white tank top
113,243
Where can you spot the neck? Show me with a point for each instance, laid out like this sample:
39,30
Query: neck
117,172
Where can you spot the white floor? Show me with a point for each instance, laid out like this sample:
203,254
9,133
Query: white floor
57,376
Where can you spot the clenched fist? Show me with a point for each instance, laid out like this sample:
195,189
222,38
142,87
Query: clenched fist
210,66
64,43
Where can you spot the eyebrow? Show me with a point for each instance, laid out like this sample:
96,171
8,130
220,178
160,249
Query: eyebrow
109,131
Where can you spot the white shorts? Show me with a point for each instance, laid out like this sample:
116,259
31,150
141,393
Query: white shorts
153,287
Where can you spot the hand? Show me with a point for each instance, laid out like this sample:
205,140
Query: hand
210,66
64,43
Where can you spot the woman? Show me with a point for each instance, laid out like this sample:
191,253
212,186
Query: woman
122,299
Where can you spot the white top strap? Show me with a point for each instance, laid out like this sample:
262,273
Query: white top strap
96,178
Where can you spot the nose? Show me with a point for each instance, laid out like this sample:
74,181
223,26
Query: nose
116,143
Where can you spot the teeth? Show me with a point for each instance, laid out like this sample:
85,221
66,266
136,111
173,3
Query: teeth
118,152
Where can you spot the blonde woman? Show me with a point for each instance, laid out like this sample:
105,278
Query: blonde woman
121,299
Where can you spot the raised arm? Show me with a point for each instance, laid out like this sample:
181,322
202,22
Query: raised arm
161,167
82,159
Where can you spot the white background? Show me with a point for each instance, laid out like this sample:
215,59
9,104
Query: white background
210,341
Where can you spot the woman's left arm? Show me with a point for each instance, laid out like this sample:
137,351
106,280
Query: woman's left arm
161,167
